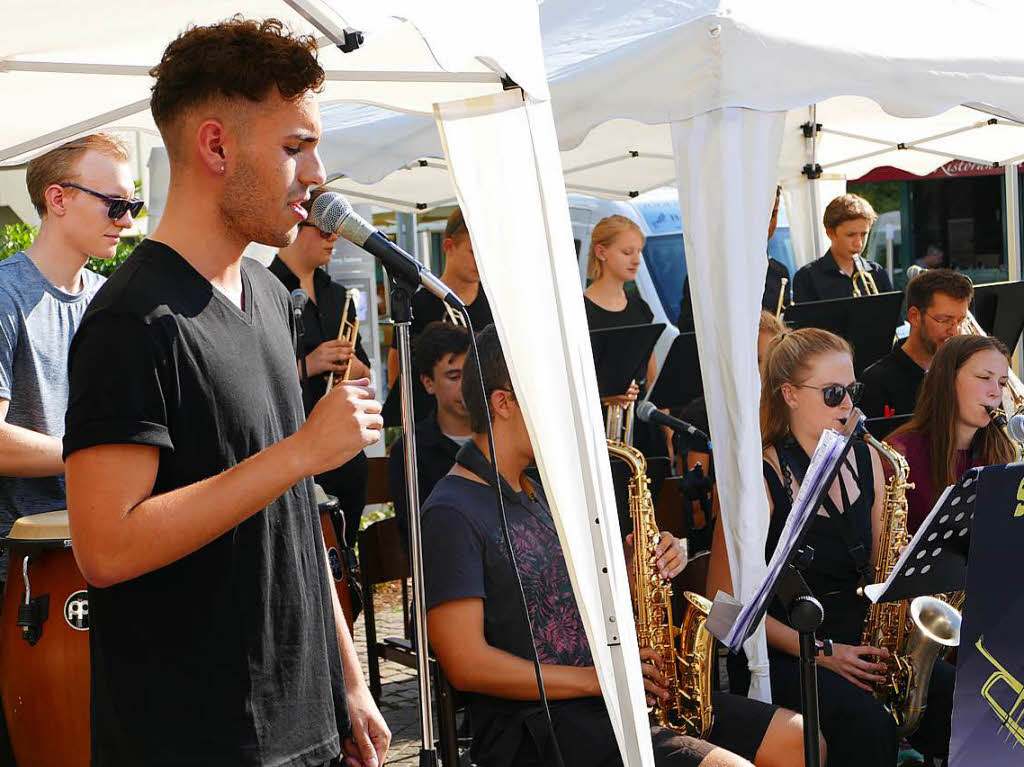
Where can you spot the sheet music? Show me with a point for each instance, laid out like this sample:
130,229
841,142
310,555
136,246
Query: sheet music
875,590
824,460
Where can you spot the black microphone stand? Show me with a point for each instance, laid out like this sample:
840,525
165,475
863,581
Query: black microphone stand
805,615
300,331
401,312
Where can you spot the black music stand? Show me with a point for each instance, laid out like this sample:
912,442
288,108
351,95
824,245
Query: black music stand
868,323
935,560
880,428
679,381
621,354
999,309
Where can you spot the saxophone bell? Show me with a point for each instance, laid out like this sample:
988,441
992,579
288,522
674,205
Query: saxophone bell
913,634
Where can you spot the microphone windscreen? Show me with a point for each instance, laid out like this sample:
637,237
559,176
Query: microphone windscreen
1015,427
644,409
333,213
299,298
914,270
329,210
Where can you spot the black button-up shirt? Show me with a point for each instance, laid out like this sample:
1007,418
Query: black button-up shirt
769,299
823,279
891,385
435,456
321,320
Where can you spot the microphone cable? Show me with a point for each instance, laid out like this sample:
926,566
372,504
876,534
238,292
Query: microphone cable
496,485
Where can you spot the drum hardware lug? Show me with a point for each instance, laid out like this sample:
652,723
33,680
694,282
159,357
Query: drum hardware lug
31,617
32,613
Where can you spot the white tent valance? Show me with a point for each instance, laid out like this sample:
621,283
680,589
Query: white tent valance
90,70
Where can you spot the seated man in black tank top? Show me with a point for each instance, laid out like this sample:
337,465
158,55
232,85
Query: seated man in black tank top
476,621
808,386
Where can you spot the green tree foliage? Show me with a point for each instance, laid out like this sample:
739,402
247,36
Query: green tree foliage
884,196
17,237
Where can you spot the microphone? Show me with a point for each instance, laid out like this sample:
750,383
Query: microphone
333,213
913,270
646,411
298,299
1015,427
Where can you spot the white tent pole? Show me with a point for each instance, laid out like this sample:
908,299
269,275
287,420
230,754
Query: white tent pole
915,143
71,130
1012,186
75,68
337,75
406,204
812,185
390,76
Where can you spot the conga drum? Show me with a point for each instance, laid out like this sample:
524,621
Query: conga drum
44,645
333,523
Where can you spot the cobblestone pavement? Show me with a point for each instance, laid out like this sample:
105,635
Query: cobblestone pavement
399,701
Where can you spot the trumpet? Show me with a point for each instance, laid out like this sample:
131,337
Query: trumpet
1010,719
782,296
867,286
347,331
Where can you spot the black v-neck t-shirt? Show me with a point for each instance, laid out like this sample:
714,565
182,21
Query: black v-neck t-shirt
228,656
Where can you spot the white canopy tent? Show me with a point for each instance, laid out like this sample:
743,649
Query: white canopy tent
713,94
477,69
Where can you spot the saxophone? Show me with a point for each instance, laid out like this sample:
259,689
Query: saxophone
686,652
914,633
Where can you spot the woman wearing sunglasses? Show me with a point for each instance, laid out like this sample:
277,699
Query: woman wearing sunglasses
808,386
941,442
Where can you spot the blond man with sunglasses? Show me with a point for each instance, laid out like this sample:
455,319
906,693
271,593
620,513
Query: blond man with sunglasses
82,192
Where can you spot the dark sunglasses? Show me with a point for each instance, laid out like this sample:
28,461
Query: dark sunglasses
118,205
833,394
324,235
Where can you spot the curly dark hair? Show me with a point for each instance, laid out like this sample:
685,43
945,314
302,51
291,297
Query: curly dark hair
435,342
234,59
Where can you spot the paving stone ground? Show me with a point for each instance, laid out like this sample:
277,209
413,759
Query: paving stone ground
399,701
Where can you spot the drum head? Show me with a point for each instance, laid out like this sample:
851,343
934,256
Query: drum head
48,527
326,503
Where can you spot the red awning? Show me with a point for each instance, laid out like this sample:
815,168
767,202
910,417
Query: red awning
952,169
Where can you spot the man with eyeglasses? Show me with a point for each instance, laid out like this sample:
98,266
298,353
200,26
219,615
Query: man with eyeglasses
937,303
81,192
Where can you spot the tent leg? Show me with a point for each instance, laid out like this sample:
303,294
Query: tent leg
1012,187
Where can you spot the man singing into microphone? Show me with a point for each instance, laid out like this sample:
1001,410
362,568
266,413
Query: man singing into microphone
216,635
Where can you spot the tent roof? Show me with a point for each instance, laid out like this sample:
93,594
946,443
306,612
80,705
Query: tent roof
619,72
622,158
75,68
657,61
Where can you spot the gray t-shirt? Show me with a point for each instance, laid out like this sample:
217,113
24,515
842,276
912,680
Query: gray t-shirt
37,322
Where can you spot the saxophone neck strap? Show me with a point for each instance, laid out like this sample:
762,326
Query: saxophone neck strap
790,453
